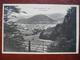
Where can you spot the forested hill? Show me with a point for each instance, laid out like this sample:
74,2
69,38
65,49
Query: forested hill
37,19
64,35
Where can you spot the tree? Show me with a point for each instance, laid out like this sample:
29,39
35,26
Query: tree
13,39
8,10
65,38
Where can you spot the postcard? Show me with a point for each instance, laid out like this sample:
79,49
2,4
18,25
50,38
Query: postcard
40,29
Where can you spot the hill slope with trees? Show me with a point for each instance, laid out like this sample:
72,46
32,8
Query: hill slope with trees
63,35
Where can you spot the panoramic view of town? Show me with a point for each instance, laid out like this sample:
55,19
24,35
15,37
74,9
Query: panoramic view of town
39,28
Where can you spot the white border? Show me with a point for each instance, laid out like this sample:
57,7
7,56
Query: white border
77,33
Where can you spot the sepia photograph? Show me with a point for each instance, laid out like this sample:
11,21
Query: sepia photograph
40,29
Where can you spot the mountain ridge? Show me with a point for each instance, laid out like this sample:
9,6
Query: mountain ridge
38,19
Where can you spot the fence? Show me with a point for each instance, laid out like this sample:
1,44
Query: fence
37,45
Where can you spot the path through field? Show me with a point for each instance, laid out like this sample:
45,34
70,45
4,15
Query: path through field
36,44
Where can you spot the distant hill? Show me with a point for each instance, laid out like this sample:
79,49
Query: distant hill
57,16
37,19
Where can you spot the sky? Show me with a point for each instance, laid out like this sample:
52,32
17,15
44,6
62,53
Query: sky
34,9
43,9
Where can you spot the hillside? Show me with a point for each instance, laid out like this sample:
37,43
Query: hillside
57,16
63,35
37,19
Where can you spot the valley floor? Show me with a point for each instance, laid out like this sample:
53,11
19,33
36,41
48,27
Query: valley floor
34,43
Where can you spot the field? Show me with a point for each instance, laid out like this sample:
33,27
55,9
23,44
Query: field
36,44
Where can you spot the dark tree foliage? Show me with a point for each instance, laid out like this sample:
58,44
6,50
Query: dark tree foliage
8,10
13,39
64,35
45,34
